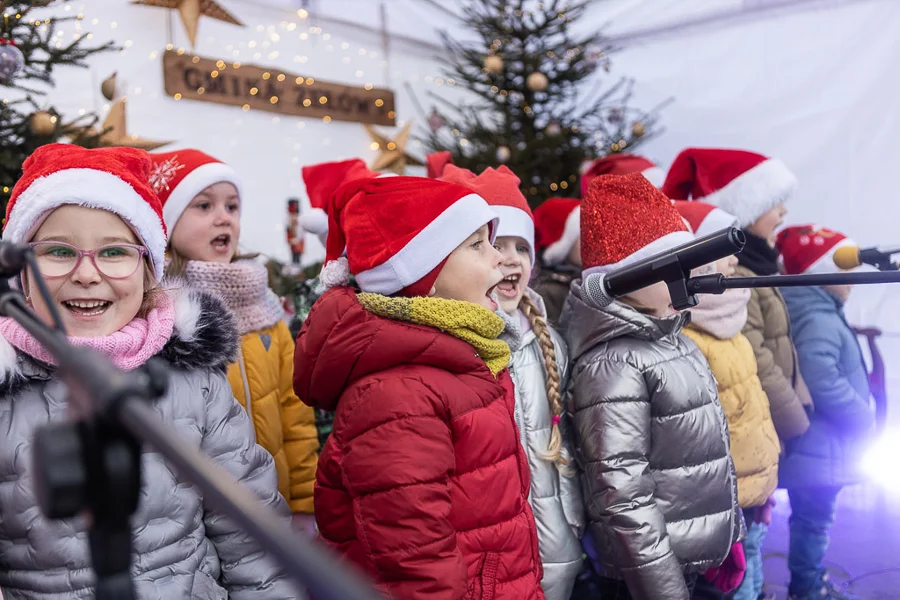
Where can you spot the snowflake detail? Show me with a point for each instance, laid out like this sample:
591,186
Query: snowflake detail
163,173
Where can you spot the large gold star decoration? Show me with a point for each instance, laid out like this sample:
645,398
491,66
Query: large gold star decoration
191,11
392,154
114,133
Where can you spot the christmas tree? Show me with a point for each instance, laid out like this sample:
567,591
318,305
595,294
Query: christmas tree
30,50
542,108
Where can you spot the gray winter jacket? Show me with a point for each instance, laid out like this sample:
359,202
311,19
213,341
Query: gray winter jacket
183,549
555,498
652,441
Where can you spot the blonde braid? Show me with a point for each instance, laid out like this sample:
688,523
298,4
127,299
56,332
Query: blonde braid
554,397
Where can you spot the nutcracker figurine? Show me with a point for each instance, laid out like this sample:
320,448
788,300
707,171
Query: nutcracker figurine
295,237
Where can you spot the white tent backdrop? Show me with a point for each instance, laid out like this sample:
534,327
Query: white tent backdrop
812,82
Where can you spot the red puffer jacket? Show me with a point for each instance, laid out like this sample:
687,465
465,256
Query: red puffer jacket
423,482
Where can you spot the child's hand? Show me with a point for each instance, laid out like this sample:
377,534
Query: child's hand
729,575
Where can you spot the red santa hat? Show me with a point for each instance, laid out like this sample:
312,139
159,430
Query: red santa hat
398,232
436,162
112,179
624,220
810,249
500,187
621,164
703,218
321,182
179,176
742,183
558,224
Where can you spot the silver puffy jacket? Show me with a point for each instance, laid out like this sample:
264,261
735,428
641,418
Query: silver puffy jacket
652,440
555,499
183,549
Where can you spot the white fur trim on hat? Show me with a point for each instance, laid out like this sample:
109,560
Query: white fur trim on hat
195,182
91,188
313,221
430,246
557,252
666,242
825,263
755,191
515,222
716,220
654,175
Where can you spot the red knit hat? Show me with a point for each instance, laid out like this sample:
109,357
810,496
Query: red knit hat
621,164
810,249
112,179
558,225
179,176
626,219
703,218
742,183
322,181
398,232
500,187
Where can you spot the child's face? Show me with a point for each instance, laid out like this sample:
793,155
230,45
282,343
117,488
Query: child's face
726,265
574,257
766,225
91,304
210,226
516,269
471,272
654,298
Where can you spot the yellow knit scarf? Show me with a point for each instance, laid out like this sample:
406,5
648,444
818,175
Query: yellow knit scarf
469,322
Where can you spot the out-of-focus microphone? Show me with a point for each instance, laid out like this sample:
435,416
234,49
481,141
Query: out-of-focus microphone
850,257
13,258
672,266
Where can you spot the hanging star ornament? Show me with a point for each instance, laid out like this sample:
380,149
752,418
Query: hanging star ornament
392,154
190,12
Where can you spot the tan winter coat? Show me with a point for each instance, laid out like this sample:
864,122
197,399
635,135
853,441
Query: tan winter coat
769,331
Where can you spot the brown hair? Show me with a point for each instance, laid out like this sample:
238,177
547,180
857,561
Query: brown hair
178,261
554,397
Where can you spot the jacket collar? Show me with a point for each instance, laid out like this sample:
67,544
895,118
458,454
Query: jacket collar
205,337
512,334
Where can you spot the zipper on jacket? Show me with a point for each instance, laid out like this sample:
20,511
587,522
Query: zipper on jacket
248,401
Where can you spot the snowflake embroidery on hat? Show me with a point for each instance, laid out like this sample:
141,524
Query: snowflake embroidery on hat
163,173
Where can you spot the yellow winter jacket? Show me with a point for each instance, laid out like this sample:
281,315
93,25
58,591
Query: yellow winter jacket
754,442
284,425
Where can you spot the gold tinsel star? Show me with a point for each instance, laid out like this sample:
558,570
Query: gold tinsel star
114,133
392,153
191,11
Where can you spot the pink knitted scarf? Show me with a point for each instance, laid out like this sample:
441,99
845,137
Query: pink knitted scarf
243,286
129,348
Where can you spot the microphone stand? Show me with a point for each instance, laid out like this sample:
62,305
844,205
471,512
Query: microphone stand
92,463
718,283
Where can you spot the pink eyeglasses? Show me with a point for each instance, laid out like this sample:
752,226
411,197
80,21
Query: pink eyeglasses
113,261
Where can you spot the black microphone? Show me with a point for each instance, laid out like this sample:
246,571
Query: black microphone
672,266
850,257
13,258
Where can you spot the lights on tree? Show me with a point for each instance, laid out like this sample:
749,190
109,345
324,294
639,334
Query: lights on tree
503,153
553,129
537,82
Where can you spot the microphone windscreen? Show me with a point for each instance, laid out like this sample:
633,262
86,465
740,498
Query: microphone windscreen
595,290
847,257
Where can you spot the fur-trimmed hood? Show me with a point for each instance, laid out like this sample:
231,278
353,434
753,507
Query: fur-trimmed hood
205,337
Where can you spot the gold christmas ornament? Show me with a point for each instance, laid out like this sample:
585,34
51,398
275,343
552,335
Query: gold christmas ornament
108,87
638,129
42,123
493,64
190,12
537,82
392,154
503,153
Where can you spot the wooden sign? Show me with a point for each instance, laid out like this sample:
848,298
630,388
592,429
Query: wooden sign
257,88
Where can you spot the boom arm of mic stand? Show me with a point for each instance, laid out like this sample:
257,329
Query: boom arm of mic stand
112,404
718,283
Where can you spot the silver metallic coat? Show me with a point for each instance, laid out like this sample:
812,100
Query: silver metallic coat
652,441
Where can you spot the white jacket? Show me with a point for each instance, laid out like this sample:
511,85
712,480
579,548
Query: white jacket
556,499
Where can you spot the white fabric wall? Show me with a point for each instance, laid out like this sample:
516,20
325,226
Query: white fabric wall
268,151
818,90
